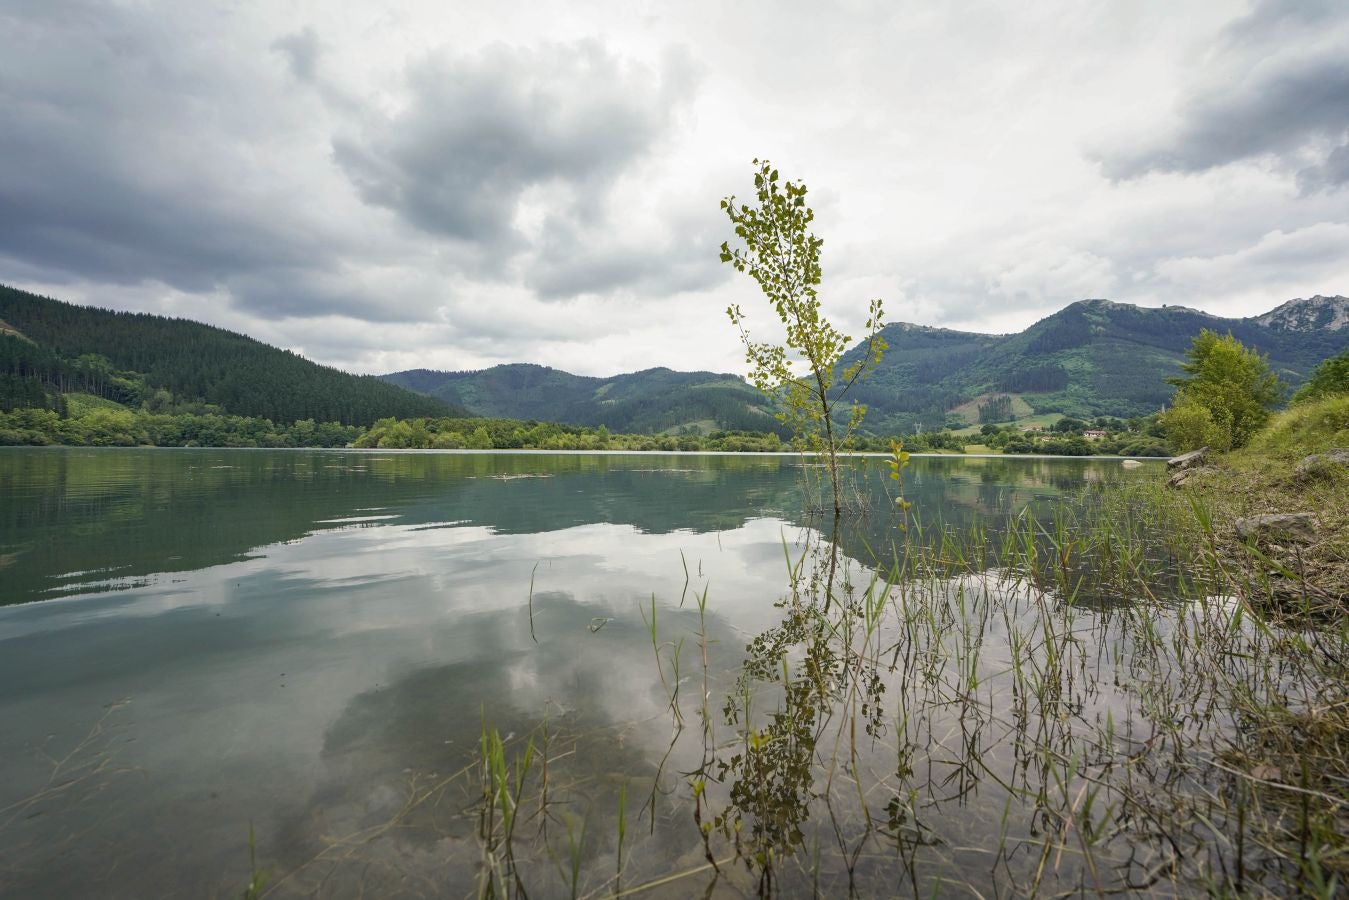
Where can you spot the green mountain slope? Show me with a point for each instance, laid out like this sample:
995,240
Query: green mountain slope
646,402
132,357
1092,358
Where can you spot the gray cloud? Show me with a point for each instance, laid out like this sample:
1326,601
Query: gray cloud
574,257
1329,174
337,184
129,152
478,132
1314,252
299,292
172,148
301,50
1278,84
1271,21
653,271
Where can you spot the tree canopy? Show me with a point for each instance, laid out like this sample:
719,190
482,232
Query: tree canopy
1226,397
1330,377
783,256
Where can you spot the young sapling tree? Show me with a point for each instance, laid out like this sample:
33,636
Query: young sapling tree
783,256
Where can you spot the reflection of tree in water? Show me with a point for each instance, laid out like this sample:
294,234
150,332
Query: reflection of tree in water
772,772
827,687
1034,741
119,515
874,729
962,729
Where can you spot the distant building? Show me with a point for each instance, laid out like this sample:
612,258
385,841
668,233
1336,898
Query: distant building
1026,429
1093,434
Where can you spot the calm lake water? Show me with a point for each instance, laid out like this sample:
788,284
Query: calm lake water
312,644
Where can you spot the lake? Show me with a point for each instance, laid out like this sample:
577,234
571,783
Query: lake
569,675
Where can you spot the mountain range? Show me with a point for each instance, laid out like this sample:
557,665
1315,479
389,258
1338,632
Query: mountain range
1092,358
650,401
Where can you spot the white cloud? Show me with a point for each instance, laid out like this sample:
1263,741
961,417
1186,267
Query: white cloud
1299,262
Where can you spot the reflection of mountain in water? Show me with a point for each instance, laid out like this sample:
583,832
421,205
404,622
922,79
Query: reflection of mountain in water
80,520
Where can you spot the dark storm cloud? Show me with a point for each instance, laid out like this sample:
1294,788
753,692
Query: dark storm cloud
61,210
478,132
128,151
170,144
1278,84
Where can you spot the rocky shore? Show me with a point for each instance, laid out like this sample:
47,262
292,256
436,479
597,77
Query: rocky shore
1282,518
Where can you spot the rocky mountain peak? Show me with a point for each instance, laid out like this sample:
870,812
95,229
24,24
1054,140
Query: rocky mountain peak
1317,313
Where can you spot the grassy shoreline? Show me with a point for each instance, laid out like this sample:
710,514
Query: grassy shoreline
1283,471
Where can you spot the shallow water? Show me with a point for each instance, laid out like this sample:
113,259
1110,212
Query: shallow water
311,643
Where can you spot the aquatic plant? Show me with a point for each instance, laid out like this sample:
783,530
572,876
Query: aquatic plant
1089,698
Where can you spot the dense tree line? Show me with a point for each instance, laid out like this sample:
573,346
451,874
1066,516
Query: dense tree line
95,423
1110,436
510,434
937,441
925,406
126,356
114,427
996,409
31,370
1063,331
18,392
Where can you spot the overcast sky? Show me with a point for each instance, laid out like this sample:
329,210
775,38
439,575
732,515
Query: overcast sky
383,186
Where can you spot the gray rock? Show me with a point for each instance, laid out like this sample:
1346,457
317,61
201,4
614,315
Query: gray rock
1296,527
1131,464
1318,463
1187,460
1179,479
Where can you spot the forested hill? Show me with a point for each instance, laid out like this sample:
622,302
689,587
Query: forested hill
137,358
1092,358
647,402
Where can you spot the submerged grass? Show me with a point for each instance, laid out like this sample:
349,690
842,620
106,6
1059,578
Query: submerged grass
1113,698
72,778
